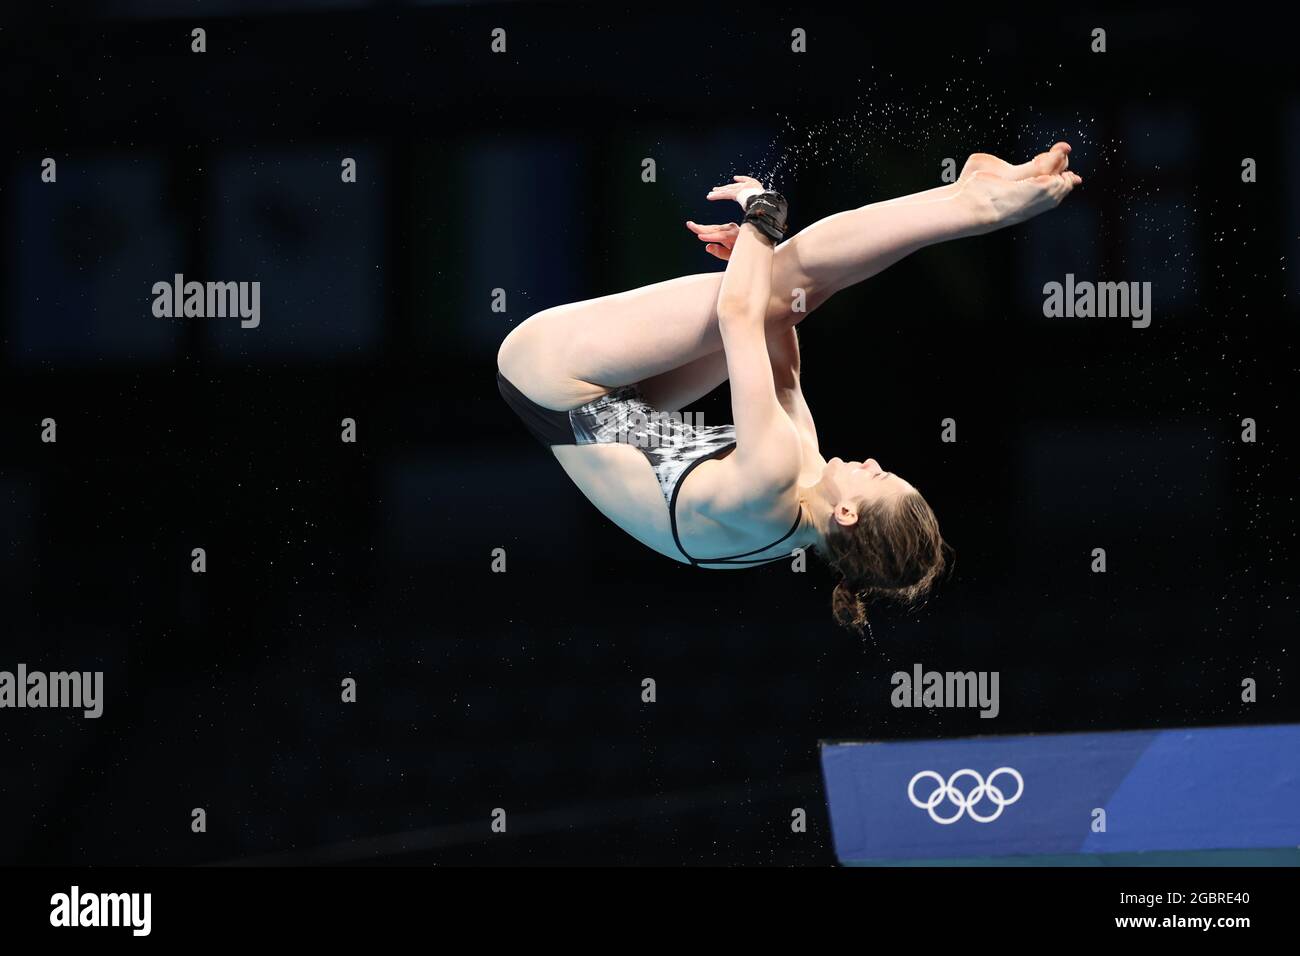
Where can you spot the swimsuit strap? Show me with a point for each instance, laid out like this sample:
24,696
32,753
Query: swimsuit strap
735,559
798,520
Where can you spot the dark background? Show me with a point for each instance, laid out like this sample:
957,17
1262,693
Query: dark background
372,561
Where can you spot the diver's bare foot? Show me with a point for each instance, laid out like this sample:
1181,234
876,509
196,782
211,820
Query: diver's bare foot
996,202
1055,160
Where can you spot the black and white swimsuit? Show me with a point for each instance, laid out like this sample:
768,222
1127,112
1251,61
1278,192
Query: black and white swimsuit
674,447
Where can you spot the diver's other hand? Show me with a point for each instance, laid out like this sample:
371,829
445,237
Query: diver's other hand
740,190
718,239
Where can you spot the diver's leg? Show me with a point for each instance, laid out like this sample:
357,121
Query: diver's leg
848,247
570,354
844,249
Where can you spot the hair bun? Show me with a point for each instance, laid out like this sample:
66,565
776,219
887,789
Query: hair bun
849,607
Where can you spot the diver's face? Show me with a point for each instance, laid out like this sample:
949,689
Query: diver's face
857,485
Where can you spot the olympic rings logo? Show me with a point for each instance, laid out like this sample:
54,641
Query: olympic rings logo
965,802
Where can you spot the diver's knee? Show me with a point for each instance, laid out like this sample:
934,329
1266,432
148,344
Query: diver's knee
514,348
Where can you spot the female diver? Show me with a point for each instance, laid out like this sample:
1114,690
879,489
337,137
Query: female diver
596,381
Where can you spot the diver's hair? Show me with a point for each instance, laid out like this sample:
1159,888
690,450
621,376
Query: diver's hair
893,551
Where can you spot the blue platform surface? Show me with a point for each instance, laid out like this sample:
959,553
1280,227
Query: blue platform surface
1192,796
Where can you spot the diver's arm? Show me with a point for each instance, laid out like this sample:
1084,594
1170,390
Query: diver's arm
767,455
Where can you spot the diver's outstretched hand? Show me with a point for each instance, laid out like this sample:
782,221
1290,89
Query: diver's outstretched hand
734,189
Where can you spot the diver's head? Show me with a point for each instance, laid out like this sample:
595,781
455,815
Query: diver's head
880,535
